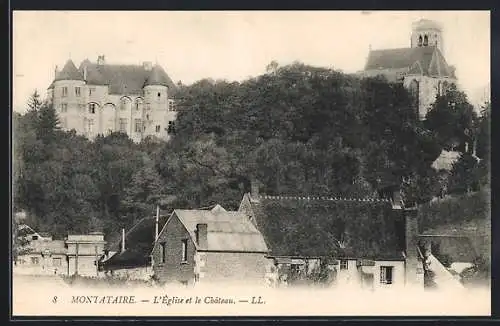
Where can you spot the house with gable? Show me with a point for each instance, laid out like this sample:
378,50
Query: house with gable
373,242
216,245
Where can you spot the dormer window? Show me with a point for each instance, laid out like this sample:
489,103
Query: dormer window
420,40
426,40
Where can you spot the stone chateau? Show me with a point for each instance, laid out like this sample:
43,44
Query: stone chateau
100,98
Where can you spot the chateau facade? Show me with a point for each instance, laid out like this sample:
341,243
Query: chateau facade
422,67
100,98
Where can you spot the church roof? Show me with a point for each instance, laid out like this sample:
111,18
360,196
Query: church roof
426,60
121,79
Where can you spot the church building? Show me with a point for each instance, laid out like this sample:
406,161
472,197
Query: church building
422,67
100,98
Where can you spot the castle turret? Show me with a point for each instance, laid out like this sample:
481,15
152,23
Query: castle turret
156,96
68,95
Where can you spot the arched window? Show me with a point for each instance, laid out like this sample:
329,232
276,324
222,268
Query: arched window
138,104
426,40
124,103
415,94
92,107
420,40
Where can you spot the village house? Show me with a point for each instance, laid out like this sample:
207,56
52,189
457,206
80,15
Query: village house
191,246
198,246
372,243
76,254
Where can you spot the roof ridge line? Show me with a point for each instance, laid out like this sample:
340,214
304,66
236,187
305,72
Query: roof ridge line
325,198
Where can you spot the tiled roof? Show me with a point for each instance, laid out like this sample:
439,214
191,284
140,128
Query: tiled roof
226,230
314,226
411,58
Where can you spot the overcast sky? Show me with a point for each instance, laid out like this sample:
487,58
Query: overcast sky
235,45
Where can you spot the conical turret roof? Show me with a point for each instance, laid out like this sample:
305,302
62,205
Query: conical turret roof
158,76
69,72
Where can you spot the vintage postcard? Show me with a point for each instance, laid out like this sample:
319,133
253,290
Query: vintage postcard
251,163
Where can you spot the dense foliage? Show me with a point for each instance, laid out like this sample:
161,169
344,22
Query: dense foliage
463,208
297,129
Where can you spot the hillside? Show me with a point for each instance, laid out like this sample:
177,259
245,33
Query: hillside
466,215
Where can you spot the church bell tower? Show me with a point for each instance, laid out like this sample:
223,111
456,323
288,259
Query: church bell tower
427,33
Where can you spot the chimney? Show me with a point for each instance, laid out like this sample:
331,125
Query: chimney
123,240
413,263
254,188
147,65
396,199
55,72
85,73
201,235
100,60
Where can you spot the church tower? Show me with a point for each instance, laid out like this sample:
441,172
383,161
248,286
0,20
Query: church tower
427,33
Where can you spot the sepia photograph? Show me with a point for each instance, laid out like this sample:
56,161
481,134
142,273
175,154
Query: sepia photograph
250,163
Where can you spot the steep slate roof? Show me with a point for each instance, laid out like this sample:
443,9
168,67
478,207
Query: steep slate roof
69,72
459,248
121,79
311,226
226,230
428,59
139,242
158,76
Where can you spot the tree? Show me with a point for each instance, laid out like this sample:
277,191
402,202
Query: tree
451,119
47,124
34,102
464,176
143,193
19,242
483,133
